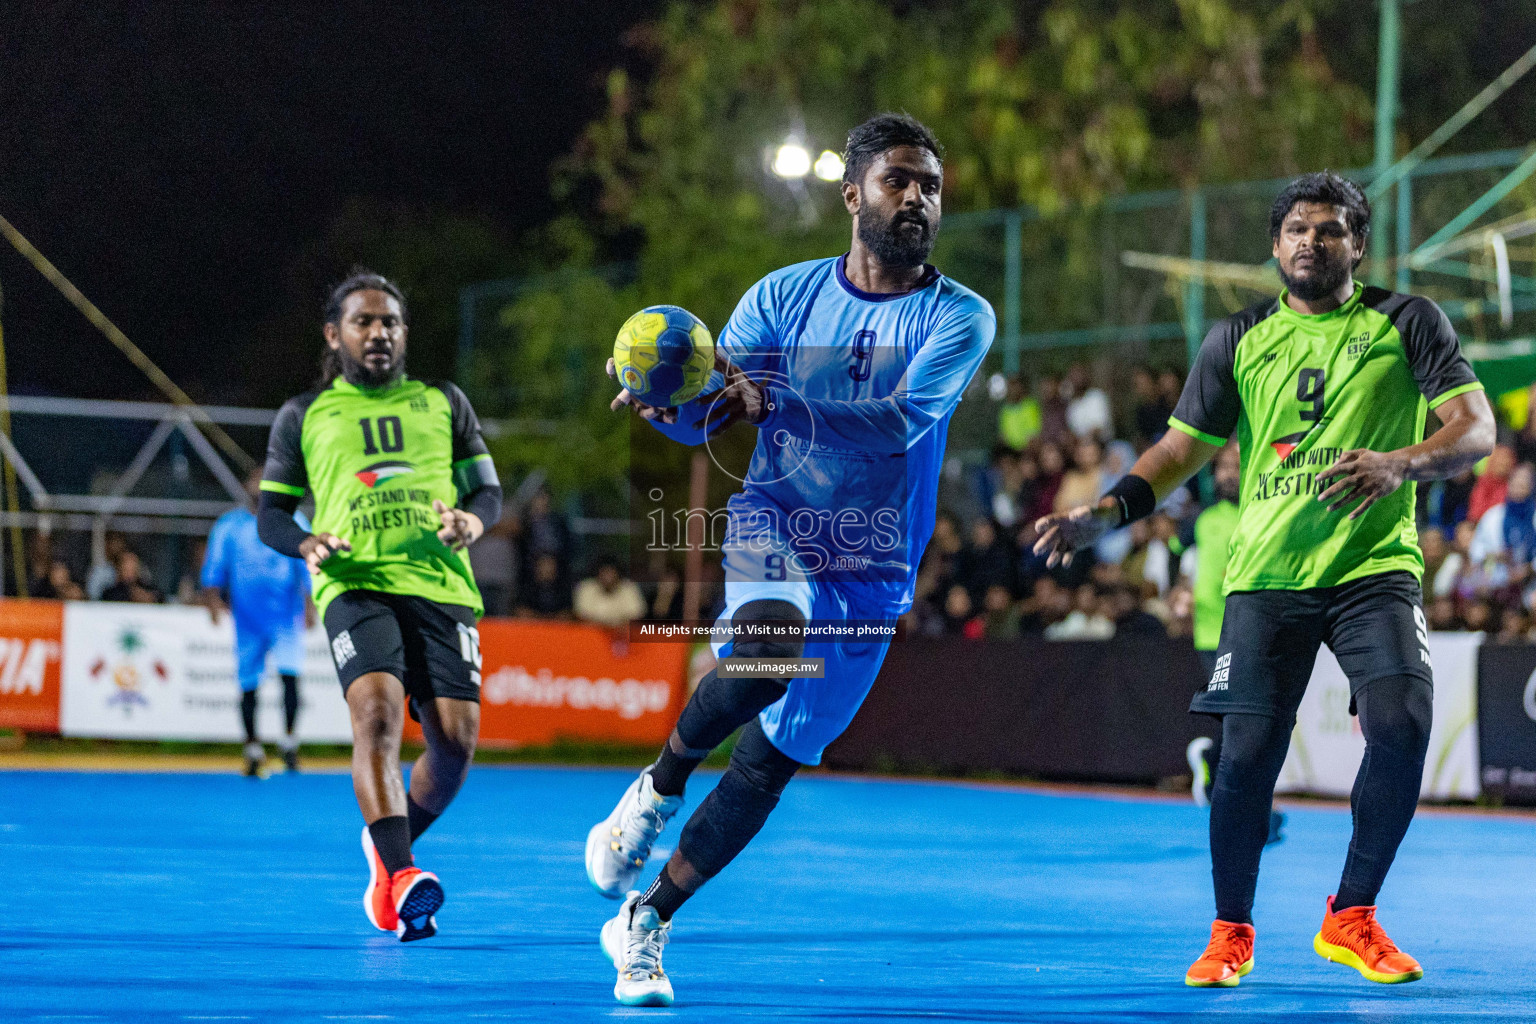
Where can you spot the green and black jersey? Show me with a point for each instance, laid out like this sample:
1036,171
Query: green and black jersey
1300,391
1213,547
375,460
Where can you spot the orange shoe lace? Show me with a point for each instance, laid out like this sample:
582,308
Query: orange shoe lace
1226,945
1367,937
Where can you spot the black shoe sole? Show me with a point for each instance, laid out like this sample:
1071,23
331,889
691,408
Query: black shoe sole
416,912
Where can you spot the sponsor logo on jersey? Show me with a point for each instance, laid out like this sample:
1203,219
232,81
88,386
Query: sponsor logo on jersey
1358,345
379,471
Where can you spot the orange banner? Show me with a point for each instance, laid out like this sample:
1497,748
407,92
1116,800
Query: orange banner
31,643
546,681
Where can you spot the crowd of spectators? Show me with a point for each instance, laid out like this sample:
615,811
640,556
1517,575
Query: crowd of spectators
1062,441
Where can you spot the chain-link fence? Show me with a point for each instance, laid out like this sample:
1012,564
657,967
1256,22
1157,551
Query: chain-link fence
1137,279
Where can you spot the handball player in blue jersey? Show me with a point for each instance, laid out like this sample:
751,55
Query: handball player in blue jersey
267,594
850,368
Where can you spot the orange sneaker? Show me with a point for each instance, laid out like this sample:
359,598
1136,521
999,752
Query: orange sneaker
417,896
1354,937
376,899
1227,958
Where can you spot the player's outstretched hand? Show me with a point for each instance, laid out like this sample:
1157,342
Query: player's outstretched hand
647,412
317,547
1361,475
1065,532
739,399
460,528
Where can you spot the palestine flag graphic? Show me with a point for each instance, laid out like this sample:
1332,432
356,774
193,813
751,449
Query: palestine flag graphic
1285,445
375,474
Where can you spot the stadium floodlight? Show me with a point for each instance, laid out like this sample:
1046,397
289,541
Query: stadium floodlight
792,160
829,166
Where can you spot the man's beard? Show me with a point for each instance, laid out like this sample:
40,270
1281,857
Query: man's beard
360,376
895,245
1326,277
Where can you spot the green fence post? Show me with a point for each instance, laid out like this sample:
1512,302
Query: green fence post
466,335
1013,285
1194,286
1404,233
1388,53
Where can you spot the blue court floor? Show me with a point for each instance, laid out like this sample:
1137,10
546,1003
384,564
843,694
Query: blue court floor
207,897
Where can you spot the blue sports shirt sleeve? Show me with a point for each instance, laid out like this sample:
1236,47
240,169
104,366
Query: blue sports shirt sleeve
929,391
215,572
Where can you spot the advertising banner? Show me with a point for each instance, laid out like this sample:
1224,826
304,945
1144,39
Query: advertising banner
1327,746
31,649
1506,710
159,672
164,672
544,681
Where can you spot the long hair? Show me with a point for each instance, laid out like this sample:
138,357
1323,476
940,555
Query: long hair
360,280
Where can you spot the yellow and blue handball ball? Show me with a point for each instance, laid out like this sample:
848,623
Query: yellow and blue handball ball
664,355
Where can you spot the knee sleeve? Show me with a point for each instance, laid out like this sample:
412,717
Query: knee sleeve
774,613
1396,714
1251,743
736,809
722,704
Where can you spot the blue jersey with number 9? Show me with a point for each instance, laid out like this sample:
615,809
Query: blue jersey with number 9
860,388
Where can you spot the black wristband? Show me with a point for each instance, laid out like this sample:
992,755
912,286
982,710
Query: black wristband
1135,497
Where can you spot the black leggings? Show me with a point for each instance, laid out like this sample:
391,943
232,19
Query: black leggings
736,809
1395,714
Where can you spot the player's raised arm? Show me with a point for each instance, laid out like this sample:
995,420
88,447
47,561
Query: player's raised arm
929,391
1206,415
1161,469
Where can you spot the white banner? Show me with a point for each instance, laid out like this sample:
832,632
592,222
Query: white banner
1327,746
161,672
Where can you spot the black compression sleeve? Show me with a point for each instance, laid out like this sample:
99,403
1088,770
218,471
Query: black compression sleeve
275,524
484,502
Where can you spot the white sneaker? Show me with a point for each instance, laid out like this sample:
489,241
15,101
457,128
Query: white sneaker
617,847
633,940
255,760
1199,769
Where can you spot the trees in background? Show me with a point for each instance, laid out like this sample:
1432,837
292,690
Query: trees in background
1047,104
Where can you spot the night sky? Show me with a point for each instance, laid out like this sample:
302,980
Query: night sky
175,160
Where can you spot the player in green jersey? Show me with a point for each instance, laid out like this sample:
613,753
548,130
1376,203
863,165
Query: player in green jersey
1327,388
402,484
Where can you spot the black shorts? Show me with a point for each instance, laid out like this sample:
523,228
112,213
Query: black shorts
434,649
1269,639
